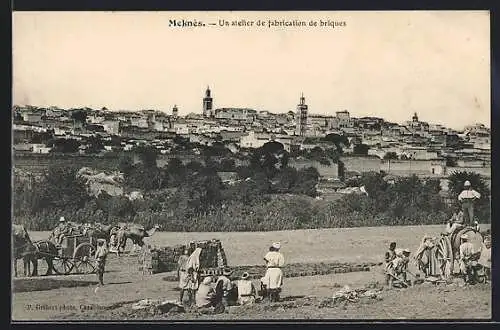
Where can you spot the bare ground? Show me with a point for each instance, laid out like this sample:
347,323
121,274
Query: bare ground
74,297
302,297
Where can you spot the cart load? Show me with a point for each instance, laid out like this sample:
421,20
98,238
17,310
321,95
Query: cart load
164,259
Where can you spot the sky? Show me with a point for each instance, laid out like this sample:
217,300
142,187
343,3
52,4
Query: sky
384,64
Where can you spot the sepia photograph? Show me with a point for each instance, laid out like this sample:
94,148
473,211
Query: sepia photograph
251,166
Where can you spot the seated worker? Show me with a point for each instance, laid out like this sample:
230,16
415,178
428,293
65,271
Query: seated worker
60,231
456,222
205,295
246,290
226,285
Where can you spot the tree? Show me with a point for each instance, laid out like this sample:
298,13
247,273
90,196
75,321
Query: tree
307,179
64,145
270,158
227,165
176,172
194,166
285,180
41,137
390,155
361,149
61,189
79,116
338,140
125,165
95,145
147,155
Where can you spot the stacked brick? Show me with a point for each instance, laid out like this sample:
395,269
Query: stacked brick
164,259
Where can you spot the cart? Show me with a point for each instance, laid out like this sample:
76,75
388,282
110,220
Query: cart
448,251
75,255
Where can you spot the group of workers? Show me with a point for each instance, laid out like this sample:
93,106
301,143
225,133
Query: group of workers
396,265
221,292
470,260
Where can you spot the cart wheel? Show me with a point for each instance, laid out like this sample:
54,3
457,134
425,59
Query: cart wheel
444,253
62,266
84,258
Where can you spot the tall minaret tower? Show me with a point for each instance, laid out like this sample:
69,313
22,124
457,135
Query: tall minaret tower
175,112
301,117
207,103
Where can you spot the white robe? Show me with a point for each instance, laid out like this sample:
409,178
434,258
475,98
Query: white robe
273,278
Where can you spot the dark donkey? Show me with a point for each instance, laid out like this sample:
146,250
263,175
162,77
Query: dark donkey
44,250
23,248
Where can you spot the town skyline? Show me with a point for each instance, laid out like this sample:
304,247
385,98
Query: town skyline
387,65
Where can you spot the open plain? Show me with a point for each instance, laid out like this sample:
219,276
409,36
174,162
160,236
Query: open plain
74,297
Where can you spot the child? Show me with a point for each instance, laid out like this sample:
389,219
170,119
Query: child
100,256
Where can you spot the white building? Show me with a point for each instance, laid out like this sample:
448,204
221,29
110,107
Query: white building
236,114
32,117
253,140
111,126
40,149
419,153
139,121
181,128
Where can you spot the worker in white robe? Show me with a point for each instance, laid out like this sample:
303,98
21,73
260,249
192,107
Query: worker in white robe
273,279
246,290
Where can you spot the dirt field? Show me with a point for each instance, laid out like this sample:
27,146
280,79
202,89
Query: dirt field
303,296
315,245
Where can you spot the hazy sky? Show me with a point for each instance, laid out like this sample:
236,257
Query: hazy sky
387,64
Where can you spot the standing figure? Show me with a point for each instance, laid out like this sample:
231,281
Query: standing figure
273,279
466,256
467,197
226,285
485,258
120,238
186,278
246,290
100,255
389,257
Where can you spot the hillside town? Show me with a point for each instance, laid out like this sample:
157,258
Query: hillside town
366,143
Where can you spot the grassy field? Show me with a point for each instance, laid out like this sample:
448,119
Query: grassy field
366,244
74,296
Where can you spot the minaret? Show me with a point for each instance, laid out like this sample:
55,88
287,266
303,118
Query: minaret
175,112
415,118
301,117
207,103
